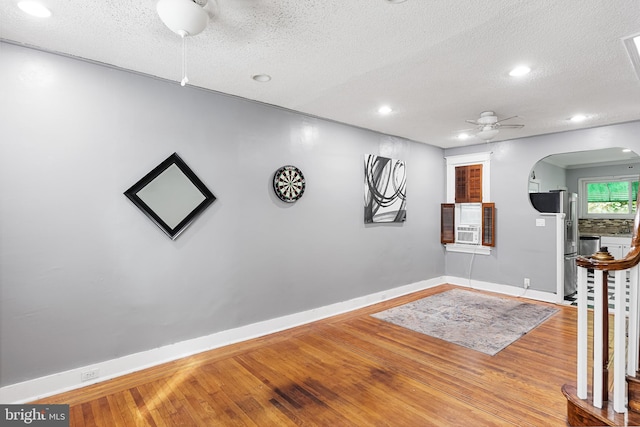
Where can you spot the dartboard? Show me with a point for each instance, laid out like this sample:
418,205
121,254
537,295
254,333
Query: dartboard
288,183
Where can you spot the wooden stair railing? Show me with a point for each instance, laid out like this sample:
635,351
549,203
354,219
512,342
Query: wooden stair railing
595,408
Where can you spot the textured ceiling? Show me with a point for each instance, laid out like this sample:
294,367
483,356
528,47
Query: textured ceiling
436,62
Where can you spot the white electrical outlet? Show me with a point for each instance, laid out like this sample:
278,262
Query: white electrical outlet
527,283
89,375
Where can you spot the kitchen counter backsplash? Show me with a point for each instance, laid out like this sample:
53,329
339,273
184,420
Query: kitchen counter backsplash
605,226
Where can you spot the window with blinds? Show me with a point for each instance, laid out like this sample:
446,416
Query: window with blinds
610,197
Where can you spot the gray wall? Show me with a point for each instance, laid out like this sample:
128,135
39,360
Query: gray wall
551,177
86,277
524,250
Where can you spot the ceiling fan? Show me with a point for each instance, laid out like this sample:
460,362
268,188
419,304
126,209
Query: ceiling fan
186,18
488,125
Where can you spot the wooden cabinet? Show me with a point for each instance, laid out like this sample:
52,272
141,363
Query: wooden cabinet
618,246
468,186
615,250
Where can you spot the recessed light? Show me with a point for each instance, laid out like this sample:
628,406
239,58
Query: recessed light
578,118
262,78
385,110
519,71
34,8
396,1
464,136
626,150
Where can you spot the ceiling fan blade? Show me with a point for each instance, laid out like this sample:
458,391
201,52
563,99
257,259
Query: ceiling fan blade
511,126
465,130
473,122
508,118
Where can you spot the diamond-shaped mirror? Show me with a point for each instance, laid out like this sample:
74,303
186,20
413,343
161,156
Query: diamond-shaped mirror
171,195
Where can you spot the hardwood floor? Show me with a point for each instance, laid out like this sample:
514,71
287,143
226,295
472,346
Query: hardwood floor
348,370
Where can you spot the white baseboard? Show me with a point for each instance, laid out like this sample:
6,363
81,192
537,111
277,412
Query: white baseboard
60,382
503,289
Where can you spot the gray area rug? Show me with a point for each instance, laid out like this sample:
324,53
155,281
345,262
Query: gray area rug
480,322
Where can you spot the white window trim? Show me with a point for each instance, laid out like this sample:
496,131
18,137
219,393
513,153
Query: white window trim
469,249
465,160
582,191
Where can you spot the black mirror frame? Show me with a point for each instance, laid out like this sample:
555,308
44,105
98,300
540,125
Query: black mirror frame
174,159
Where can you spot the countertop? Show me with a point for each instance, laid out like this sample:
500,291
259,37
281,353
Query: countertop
625,235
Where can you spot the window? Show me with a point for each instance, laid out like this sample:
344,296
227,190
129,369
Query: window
478,164
609,196
475,232
481,164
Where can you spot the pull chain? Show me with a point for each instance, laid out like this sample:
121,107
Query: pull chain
185,79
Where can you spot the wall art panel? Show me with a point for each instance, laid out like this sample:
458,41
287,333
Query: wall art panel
385,182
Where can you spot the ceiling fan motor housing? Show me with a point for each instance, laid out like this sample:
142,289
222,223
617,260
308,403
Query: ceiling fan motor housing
183,17
488,118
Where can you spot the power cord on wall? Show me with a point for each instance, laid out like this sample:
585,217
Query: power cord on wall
473,255
523,293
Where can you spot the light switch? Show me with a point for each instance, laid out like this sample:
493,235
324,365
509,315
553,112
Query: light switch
540,222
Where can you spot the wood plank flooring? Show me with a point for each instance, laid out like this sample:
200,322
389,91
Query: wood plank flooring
348,370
